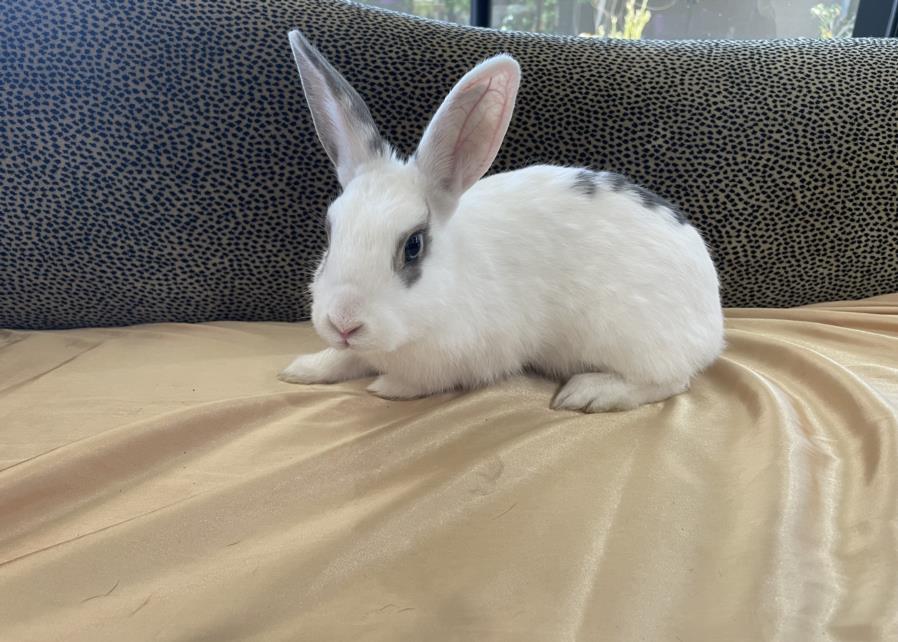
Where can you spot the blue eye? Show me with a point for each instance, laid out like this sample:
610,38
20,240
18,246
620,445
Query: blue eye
414,245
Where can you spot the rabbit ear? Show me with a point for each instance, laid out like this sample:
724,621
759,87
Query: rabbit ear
465,134
341,118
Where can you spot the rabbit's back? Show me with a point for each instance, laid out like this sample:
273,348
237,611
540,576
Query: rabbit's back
569,259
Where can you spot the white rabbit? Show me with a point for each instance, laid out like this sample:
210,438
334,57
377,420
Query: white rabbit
435,280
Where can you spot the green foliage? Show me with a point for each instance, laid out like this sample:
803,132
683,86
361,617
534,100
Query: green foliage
598,18
634,21
533,15
831,22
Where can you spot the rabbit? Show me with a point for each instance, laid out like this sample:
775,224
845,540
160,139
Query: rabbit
437,279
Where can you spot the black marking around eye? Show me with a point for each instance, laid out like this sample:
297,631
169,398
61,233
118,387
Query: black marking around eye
410,272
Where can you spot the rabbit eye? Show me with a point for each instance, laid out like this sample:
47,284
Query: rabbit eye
414,245
411,252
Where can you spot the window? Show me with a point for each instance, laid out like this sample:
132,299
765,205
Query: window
458,11
672,19
669,19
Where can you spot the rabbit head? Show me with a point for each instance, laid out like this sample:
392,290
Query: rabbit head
379,285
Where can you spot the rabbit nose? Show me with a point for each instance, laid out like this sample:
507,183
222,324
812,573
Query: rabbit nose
346,330
347,333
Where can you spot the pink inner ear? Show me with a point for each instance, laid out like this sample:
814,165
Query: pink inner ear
484,125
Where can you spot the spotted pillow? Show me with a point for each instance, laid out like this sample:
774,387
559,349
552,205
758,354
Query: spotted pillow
158,162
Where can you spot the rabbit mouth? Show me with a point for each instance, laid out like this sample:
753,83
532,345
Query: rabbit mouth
366,344
356,343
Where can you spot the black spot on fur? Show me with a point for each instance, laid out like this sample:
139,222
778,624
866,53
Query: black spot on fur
615,182
585,182
652,201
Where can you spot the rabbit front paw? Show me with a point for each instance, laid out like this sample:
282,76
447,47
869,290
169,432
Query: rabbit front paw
327,366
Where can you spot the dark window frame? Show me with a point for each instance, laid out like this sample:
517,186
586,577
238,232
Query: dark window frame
877,18
480,12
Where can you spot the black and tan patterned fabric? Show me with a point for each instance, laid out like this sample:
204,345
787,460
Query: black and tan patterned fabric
157,161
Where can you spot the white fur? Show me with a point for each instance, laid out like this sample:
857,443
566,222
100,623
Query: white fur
523,270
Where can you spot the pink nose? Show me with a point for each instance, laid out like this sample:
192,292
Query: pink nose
348,331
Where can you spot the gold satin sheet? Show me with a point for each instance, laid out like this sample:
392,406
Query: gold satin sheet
159,483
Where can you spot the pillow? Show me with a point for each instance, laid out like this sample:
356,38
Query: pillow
159,163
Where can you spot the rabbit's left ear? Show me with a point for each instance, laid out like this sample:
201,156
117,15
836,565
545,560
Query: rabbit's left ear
341,117
465,134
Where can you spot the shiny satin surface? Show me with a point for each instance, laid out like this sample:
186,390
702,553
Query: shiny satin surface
159,483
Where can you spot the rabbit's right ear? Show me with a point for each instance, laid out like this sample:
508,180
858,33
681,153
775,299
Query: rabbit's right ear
465,134
341,117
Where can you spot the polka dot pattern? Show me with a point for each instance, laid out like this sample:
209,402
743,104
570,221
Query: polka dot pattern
158,162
